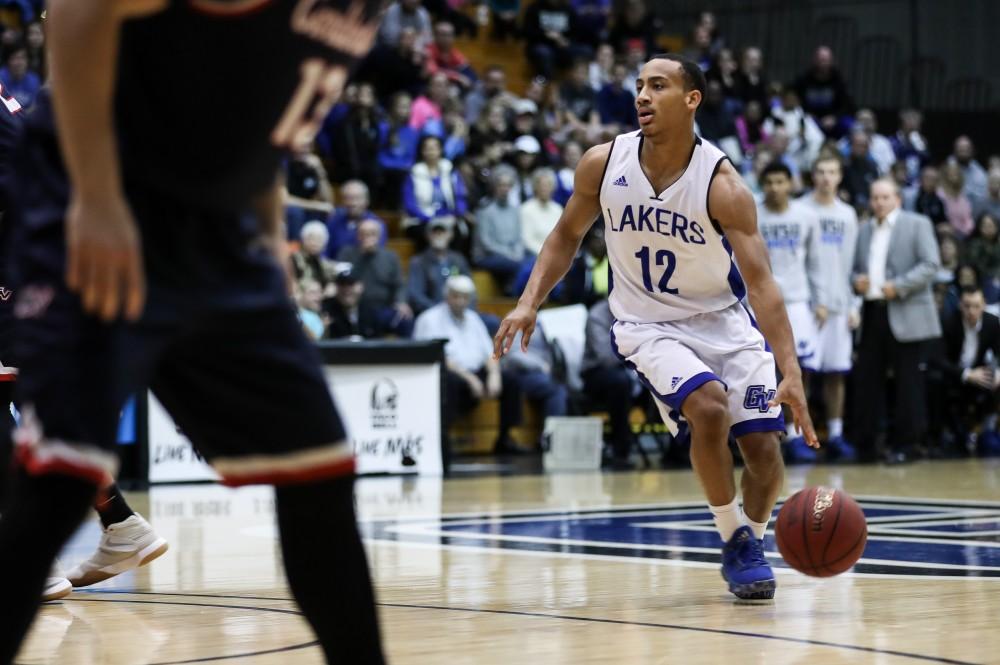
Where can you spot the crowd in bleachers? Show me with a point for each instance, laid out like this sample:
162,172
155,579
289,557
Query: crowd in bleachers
431,166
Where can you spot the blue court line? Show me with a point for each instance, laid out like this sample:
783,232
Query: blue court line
565,617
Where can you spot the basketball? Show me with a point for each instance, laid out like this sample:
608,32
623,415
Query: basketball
821,531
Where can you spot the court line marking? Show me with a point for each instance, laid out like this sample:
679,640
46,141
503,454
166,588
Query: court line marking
206,659
565,617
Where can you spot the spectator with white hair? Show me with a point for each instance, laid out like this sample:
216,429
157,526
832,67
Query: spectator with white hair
471,371
310,263
344,221
540,213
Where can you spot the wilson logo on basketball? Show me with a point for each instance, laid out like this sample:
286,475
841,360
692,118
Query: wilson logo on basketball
822,502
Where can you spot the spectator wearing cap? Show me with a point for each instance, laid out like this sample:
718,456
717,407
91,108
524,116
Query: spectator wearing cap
540,213
527,151
824,95
973,173
443,56
924,197
497,245
405,14
347,315
309,295
434,191
957,207
310,264
909,143
552,36
397,152
990,204
379,270
616,103
572,152
471,371
344,221
430,269
490,91
528,119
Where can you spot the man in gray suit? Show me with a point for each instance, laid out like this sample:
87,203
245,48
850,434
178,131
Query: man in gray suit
896,259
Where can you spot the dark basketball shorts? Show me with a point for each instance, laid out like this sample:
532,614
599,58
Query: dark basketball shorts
219,344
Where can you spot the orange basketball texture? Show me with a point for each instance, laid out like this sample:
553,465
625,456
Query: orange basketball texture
821,531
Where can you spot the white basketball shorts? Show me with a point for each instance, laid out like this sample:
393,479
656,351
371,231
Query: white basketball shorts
674,358
836,344
803,321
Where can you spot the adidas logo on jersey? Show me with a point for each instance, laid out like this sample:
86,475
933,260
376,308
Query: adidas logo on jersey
674,381
620,182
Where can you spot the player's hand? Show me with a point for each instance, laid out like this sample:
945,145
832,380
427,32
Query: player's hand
791,392
520,320
822,314
889,291
104,257
861,284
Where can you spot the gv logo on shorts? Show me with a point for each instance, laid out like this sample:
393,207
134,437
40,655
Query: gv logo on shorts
757,398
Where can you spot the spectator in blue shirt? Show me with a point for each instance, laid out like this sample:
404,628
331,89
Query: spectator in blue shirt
615,103
433,191
343,222
397,151
17,79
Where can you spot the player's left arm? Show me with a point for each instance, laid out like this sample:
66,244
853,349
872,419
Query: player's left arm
732,205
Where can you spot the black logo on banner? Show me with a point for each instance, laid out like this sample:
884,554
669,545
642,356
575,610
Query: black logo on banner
385,404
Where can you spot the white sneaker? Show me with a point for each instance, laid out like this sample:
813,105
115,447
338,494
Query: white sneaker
124,546
56,586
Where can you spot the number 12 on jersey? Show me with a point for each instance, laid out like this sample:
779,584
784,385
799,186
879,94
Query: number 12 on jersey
663,257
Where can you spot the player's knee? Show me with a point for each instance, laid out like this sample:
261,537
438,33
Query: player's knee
707,409
762,453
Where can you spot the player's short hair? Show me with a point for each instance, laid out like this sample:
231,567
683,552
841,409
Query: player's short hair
694,78
775,167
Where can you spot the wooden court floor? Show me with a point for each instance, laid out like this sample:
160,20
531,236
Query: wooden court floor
556,570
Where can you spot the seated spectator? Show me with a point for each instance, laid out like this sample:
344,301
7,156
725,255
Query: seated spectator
34,40
492,127
471,372
552,36
982,251
401,67
503,16
443,56
607,383
490,91
308,195
600,69
948,249
924,197
750,128
973,174
616,104
880,148
355,140
990,204
432,104
717,124
966,276
752,84
344,222
18,81
860,171
540,213
430,269
724,70
397,151
497,244
699,47
824,95
310,300
805,138
909,144
966,373
588,278
527,153
528,374
778,147
381,275
404,14
571,154
580,102
635,23
433,191
309,263
592,19
347,315
957,207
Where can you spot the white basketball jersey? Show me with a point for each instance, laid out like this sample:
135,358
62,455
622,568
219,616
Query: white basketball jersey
668,261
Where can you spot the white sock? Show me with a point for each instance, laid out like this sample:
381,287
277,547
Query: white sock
727,518
758,527
835,427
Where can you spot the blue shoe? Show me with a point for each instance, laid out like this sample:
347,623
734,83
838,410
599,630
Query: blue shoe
745,568
988,444
798,451
839,448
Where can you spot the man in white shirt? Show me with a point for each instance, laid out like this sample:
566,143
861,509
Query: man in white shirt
894,266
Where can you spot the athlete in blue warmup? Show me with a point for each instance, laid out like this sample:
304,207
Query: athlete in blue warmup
148,252
678,220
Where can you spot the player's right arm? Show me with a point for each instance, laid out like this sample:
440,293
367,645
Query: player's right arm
104,259
557,253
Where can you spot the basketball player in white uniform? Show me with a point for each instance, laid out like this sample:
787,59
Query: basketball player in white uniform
678,220
791,232
836,311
